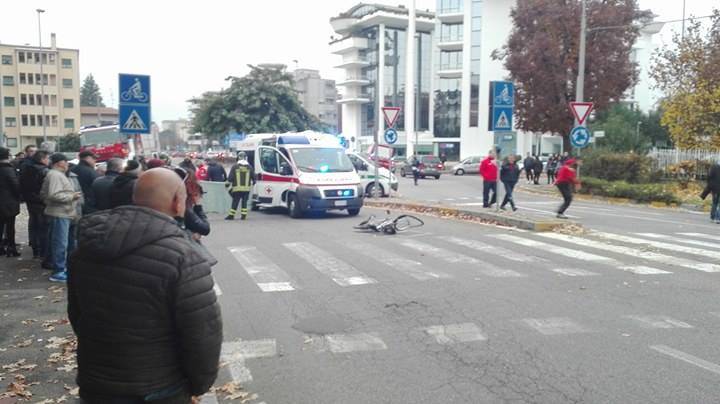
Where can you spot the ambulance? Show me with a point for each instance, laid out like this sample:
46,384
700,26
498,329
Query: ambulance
365,167
303,172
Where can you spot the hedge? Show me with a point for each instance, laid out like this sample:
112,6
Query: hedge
628,167
621,189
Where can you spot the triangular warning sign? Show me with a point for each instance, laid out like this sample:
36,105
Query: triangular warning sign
134,122
581,110
502,122
391,115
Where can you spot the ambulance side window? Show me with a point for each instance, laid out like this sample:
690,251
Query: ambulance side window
269,161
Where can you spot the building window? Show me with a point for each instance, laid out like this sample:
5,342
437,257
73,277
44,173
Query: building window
451,32
53,80
474,99
30,78
32,120
45,79
450,6
36,57
67,83
12,141
44,58
66,63
40,120
451,60
23,78
7,59
10,122
54,121
68,103
23,99
51,58
21,57
38,99
24,120
53,100
9,101
8,81
447,113
69,124
37,78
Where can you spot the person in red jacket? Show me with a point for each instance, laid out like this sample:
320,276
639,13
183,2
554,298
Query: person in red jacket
489,173
567,182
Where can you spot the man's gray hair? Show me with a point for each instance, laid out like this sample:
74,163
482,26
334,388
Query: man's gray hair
115,164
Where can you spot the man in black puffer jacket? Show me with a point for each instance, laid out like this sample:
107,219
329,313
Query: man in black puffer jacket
141,301
85,170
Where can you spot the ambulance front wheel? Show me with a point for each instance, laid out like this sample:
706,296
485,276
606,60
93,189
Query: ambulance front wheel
294,207
354,211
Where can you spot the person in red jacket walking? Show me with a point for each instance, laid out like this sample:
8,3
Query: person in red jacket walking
489,173
567,182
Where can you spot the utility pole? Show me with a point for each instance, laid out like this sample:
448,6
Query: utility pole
410,82
580,83
682,33
42,76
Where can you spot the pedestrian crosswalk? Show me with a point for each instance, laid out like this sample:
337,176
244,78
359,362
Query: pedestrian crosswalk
447,258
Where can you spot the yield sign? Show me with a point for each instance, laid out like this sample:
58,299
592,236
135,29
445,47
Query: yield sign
391,115
581,110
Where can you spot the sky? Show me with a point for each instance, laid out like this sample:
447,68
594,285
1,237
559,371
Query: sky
191,47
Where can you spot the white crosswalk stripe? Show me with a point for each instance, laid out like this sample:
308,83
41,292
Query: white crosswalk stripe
346,343
555,326
438,252
235,353
658,321
664,246
264,272
700,235
682,240
634,252
479,246
574,272
407,266
455,333
567,252
338,270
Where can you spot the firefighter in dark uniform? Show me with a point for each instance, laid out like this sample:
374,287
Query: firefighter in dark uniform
240,181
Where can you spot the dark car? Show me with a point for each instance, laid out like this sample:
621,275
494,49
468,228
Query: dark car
430,166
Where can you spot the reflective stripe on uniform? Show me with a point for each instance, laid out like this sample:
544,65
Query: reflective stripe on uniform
242,179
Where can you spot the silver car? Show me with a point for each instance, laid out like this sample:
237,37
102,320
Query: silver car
470,165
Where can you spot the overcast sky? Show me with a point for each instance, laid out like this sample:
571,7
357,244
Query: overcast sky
191,47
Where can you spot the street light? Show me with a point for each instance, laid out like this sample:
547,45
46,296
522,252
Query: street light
42,76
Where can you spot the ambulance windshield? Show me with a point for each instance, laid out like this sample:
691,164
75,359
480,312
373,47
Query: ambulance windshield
321,160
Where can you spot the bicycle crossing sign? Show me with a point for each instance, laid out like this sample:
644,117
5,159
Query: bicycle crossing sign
502,103
134,103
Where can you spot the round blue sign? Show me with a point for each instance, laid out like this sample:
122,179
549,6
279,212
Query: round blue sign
391,136
580,137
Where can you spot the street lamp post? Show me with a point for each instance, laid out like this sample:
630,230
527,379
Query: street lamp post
42,76
580,83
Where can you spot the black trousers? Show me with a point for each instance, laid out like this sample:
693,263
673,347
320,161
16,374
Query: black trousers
487,187
528,175
551,177
566,189
239,198
37,230
7,231
536,177
509,188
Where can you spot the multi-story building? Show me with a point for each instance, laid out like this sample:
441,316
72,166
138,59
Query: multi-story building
22,102
318,96
453,70
181,127
98,116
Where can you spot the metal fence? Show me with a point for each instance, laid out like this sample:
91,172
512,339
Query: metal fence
664,158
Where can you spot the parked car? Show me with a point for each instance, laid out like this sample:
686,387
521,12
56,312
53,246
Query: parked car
470,165
430,166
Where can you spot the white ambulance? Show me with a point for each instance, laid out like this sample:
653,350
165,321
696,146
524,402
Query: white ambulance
303,172
365,167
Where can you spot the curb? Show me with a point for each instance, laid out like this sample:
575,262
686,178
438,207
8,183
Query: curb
490,217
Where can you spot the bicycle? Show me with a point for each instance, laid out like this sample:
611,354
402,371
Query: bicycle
389,225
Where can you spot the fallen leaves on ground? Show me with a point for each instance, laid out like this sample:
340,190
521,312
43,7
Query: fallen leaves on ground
19,365
22,344
233,391
18,388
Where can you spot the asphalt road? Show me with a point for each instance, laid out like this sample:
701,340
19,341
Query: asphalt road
315,312
466,192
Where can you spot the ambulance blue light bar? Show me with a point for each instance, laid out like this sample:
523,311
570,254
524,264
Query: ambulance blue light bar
293,139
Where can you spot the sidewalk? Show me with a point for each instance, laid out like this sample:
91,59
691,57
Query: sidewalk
37,345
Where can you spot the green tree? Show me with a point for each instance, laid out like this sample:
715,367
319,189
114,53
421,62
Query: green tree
688,72
69,143
90,93
629,129
263,101
542,57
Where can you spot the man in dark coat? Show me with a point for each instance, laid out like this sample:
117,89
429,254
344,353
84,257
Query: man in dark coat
528,165
121,191
9,204
216,172
102,185
713,187
509,175
85,170
141,301
31,179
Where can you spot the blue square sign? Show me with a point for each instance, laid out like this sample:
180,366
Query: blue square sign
134,119
134,89
503,94
502,118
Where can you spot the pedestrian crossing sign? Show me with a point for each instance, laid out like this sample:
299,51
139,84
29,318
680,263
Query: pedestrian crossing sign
135,120
502,119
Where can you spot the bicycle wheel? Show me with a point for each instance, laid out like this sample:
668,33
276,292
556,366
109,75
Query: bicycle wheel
405,222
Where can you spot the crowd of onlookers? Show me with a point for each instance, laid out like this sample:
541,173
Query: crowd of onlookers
57,194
